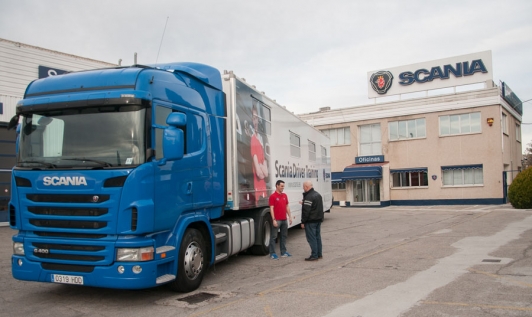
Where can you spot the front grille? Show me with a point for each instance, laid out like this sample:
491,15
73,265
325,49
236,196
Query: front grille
67,267
70,229
59,198
74,252
69,247
69,235
73,224
74,212
71,257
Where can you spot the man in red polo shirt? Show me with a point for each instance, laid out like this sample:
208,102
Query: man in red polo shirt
279,210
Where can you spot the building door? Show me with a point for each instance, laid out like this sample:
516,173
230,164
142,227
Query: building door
359,192
366,191
373,190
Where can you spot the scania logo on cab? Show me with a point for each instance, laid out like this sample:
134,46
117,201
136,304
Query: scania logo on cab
64,180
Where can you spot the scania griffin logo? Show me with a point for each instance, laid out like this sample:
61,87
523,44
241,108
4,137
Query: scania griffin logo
381,81
64,180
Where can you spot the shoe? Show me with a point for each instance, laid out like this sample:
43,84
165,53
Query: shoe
274,256
286,255
320,257
311,259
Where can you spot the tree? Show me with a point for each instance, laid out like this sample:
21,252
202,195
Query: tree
527,156
519,192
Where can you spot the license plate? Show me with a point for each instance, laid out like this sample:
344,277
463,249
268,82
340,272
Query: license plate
67,279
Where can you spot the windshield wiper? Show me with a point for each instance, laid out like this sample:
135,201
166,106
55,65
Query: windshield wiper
49,165
88,160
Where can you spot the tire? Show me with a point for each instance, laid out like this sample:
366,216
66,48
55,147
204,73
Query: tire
264,230
191,262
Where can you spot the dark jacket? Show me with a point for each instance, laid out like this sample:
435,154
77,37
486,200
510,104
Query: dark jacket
312,210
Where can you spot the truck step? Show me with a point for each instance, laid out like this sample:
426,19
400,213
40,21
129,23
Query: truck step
165,278
220,237
220,257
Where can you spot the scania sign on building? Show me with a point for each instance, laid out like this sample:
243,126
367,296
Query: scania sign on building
442,73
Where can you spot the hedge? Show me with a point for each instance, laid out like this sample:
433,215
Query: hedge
520,191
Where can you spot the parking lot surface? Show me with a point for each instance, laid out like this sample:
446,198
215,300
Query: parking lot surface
394,261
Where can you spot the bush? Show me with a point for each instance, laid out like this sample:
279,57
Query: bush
520,191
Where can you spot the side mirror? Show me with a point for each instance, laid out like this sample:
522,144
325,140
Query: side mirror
13,122
174,137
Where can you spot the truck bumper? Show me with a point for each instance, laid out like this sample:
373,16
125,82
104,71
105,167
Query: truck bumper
101,276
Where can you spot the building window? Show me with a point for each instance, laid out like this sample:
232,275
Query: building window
295,145
460,124
518,133
408,129
370,140
410,178
323,155
462,175
340,136
504,123
311,150
338,186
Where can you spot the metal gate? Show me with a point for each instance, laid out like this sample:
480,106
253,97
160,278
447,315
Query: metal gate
506,184
5,193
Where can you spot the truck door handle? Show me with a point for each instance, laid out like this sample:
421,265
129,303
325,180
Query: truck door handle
189,188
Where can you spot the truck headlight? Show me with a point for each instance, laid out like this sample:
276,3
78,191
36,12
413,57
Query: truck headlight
18,248
134,254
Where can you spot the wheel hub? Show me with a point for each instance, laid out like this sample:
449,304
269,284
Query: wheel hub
193,261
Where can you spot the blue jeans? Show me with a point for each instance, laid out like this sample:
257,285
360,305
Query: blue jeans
313,233
283,225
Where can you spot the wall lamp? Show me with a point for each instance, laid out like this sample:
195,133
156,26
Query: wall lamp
490,121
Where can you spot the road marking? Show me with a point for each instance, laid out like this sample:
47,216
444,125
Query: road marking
478,305
497,276
402,296
319,294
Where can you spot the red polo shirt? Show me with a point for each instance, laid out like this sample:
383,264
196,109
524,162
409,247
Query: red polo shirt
279,203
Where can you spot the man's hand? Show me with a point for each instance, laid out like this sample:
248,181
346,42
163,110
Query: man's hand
302,226
275,223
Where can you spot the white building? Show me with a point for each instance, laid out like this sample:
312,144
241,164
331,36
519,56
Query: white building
20,64
446,147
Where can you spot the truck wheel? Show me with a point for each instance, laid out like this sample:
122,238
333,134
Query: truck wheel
265,226
191,262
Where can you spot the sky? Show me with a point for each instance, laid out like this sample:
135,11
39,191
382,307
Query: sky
305,54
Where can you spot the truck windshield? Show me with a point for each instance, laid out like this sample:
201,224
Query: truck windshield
110,136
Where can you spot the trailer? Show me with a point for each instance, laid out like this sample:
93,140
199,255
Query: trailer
134,177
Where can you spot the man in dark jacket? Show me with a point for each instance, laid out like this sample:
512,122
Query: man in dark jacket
311,218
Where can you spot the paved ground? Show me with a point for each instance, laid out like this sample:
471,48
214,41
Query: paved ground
395,261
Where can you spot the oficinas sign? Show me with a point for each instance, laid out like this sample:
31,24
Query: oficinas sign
424,75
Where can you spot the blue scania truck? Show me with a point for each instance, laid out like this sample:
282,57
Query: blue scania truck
139,176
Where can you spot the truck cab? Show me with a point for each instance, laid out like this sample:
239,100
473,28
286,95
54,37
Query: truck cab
94,191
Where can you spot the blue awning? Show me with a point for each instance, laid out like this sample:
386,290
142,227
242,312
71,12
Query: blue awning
461,167
409,170
362,172
337,177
